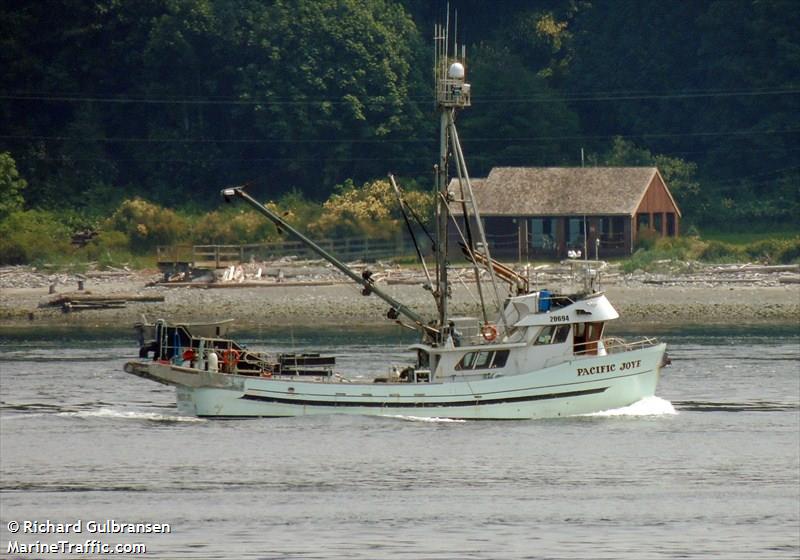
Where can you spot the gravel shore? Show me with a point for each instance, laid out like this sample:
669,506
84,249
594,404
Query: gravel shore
329,299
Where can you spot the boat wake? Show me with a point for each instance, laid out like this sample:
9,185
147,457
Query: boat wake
648,406
424,419
131,415
750,406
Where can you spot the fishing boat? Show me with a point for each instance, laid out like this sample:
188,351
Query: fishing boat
532,353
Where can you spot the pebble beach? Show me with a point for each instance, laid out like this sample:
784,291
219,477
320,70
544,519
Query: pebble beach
307,294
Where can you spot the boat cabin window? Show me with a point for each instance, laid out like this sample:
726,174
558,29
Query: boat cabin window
552,334
483,360
500,359
467,361
423,359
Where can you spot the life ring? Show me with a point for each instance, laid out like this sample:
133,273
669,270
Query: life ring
266,373
489,332
230,358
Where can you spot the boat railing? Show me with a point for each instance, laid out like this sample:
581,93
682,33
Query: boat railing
473,336
183,347
468,336
615,345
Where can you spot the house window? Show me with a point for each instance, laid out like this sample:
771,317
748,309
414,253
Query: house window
541,232
642,221
657,222
612,231
671,224
575,232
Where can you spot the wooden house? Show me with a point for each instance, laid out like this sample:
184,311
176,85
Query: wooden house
554,211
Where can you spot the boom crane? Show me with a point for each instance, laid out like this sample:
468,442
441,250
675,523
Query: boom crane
364,279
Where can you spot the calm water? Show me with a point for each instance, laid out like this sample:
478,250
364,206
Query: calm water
710,469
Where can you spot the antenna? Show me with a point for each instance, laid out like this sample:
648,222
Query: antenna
452,91
455,35
447,32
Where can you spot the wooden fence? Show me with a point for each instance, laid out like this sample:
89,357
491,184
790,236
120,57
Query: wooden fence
184,257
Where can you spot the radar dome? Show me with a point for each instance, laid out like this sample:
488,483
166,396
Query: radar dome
456,71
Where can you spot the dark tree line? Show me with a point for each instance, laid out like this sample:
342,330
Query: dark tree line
170,100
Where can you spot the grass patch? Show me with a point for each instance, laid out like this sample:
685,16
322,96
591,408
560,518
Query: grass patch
679,254
744,238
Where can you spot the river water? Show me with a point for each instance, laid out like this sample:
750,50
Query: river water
708,469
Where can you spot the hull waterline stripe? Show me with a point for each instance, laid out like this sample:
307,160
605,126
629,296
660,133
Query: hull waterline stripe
420,404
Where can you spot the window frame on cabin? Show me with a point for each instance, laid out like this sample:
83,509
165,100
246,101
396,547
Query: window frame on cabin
495,359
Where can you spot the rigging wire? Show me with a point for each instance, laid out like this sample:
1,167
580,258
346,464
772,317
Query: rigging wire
526,139
402,205
554,97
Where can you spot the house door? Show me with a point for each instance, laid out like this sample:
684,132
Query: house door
576,229
542,234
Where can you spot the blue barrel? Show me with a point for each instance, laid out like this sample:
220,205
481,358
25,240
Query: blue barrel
544,301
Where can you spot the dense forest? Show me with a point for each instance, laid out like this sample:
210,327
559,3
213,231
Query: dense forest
169,100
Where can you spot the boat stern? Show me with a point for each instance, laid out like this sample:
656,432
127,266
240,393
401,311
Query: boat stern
169,374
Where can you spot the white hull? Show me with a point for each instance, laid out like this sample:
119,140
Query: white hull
580,386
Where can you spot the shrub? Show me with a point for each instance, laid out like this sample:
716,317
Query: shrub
789,252
33,235
371,210
109,248
717,251
774,250
297,210
646,239
232,226
147,225
666,253
679,247
238,224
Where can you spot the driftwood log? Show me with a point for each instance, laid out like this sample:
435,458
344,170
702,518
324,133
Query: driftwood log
77,302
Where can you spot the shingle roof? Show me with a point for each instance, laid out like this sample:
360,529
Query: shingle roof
549,191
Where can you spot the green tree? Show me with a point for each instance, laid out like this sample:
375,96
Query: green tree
753,47
11,186
516,118
715,81
336,81
677,173
175,98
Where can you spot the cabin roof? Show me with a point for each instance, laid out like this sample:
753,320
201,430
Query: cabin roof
549,191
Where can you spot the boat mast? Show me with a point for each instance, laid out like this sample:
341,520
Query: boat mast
451,93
